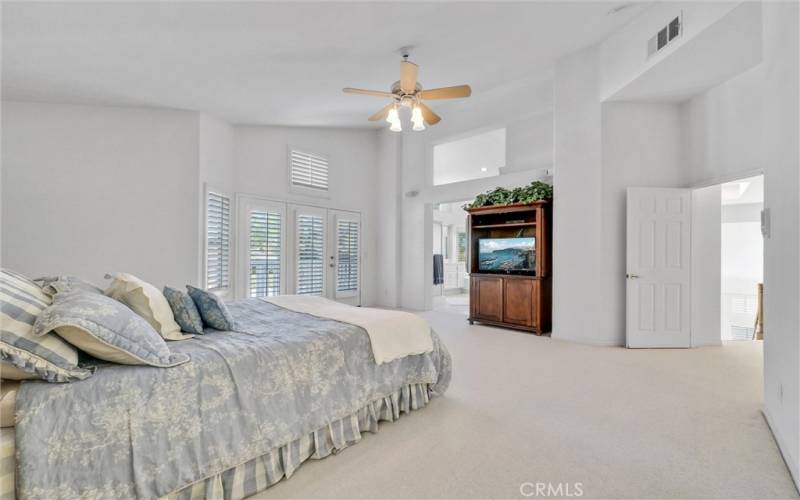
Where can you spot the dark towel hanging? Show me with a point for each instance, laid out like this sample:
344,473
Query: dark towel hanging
438,269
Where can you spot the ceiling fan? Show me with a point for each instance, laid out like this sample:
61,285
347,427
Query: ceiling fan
407,92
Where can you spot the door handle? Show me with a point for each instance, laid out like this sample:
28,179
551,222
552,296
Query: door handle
632,276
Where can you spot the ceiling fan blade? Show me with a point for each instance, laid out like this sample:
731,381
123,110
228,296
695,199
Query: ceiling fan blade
430,117
377,93
446,92
382,114
408,76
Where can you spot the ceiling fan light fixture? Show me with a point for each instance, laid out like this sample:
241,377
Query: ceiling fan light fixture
408,92
393,116
417,119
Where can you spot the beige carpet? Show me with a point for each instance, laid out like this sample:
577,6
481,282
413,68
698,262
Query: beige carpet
524,409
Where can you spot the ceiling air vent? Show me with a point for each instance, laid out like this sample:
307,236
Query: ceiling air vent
665,36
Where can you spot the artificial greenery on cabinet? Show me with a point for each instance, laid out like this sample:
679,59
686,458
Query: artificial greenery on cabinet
535,191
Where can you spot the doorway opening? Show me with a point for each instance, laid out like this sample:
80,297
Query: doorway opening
450,280
742,259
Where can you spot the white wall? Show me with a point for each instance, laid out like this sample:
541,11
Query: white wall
216,153
623,55
529,142
577,198
480,155
388,220
262,170
781,162
640,147
600,150
721,129
215,171
706,269
94,189
742,248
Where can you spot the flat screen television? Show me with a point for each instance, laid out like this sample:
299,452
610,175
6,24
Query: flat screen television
507,255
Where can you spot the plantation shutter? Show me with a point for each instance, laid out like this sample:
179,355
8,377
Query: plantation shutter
265,253
310,255
218,233
308,170
347,236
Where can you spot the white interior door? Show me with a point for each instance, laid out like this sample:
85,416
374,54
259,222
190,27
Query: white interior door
658,267
344,260
262,237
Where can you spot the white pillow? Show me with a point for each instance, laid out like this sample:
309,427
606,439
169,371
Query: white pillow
148,302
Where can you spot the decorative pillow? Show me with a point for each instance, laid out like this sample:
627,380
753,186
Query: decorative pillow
184,309
148,302
25,355
52,285
8,402
213,310
106,329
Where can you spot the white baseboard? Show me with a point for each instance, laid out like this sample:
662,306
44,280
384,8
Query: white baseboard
708,343
790,462
598,343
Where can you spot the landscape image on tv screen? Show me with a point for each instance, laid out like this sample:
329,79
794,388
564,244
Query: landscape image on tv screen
506,254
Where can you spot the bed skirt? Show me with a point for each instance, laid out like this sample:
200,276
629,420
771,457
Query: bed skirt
8,464
262,472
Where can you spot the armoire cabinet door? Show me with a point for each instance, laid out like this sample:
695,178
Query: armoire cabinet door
487,298
520,300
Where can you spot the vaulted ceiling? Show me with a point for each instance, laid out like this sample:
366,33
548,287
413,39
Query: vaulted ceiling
281,63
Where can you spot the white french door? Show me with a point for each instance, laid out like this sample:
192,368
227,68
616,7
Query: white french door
309,250
287,248
344,261
658,267
262,248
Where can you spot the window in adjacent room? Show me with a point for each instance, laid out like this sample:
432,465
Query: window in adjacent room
218,240
461,244
308,171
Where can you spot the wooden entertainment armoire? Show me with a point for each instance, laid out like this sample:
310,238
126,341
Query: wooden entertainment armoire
513,299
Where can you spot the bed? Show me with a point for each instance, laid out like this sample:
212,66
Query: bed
249,408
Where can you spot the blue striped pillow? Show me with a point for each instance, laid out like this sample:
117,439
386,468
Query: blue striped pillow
22,354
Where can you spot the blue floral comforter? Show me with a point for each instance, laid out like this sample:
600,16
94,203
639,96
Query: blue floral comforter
136,431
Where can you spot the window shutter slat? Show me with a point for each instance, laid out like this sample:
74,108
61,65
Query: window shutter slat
308,170
218,216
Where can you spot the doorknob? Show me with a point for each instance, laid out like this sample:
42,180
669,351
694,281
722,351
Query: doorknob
632,276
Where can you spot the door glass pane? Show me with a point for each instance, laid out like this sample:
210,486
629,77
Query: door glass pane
347,256
265,253
310,254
